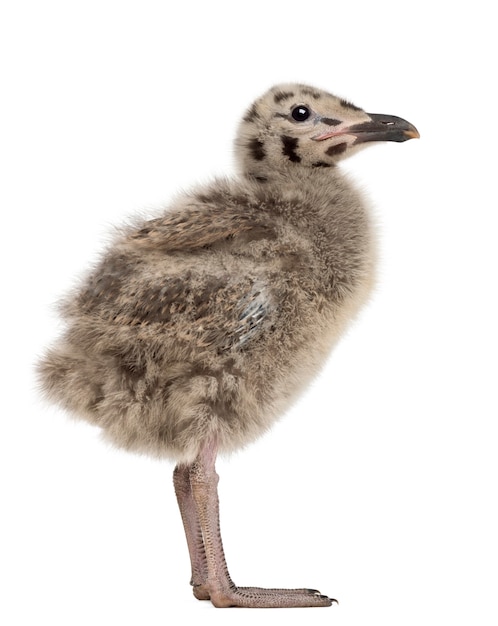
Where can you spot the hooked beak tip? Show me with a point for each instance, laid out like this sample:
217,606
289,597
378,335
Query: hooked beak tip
412,133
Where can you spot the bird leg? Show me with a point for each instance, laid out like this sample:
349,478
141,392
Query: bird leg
196,488
193,532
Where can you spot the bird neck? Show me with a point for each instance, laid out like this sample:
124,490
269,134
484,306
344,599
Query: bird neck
302,186
292,176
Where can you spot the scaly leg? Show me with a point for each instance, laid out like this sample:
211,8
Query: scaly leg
193,533
218,584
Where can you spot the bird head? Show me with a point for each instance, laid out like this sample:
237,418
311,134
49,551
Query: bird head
294,126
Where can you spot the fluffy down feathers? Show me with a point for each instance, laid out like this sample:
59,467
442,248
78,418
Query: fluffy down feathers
209,319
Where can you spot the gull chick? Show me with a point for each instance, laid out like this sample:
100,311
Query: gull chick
197,329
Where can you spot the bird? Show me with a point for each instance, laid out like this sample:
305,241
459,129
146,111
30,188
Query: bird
197,328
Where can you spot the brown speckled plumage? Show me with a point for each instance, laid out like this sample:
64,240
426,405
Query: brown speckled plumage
199,327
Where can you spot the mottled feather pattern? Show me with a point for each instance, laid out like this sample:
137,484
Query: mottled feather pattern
198,328
211,317
254,309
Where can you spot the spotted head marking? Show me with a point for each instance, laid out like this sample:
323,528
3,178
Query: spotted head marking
297,126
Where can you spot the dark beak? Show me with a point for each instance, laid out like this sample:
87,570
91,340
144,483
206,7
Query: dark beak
383,128
378,128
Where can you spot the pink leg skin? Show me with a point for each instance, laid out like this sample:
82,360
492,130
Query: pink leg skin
196,488
193,532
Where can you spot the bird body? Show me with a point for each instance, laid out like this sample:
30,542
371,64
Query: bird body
209,318
198,328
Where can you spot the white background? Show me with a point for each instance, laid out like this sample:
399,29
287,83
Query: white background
379,487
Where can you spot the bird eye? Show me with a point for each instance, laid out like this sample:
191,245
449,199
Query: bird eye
300,113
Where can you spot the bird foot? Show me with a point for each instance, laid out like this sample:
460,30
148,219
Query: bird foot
201,592
257,597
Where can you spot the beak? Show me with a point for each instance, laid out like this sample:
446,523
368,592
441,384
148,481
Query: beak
378,128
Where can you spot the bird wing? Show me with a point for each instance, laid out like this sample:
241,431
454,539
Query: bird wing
253,310
164,280
196,227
